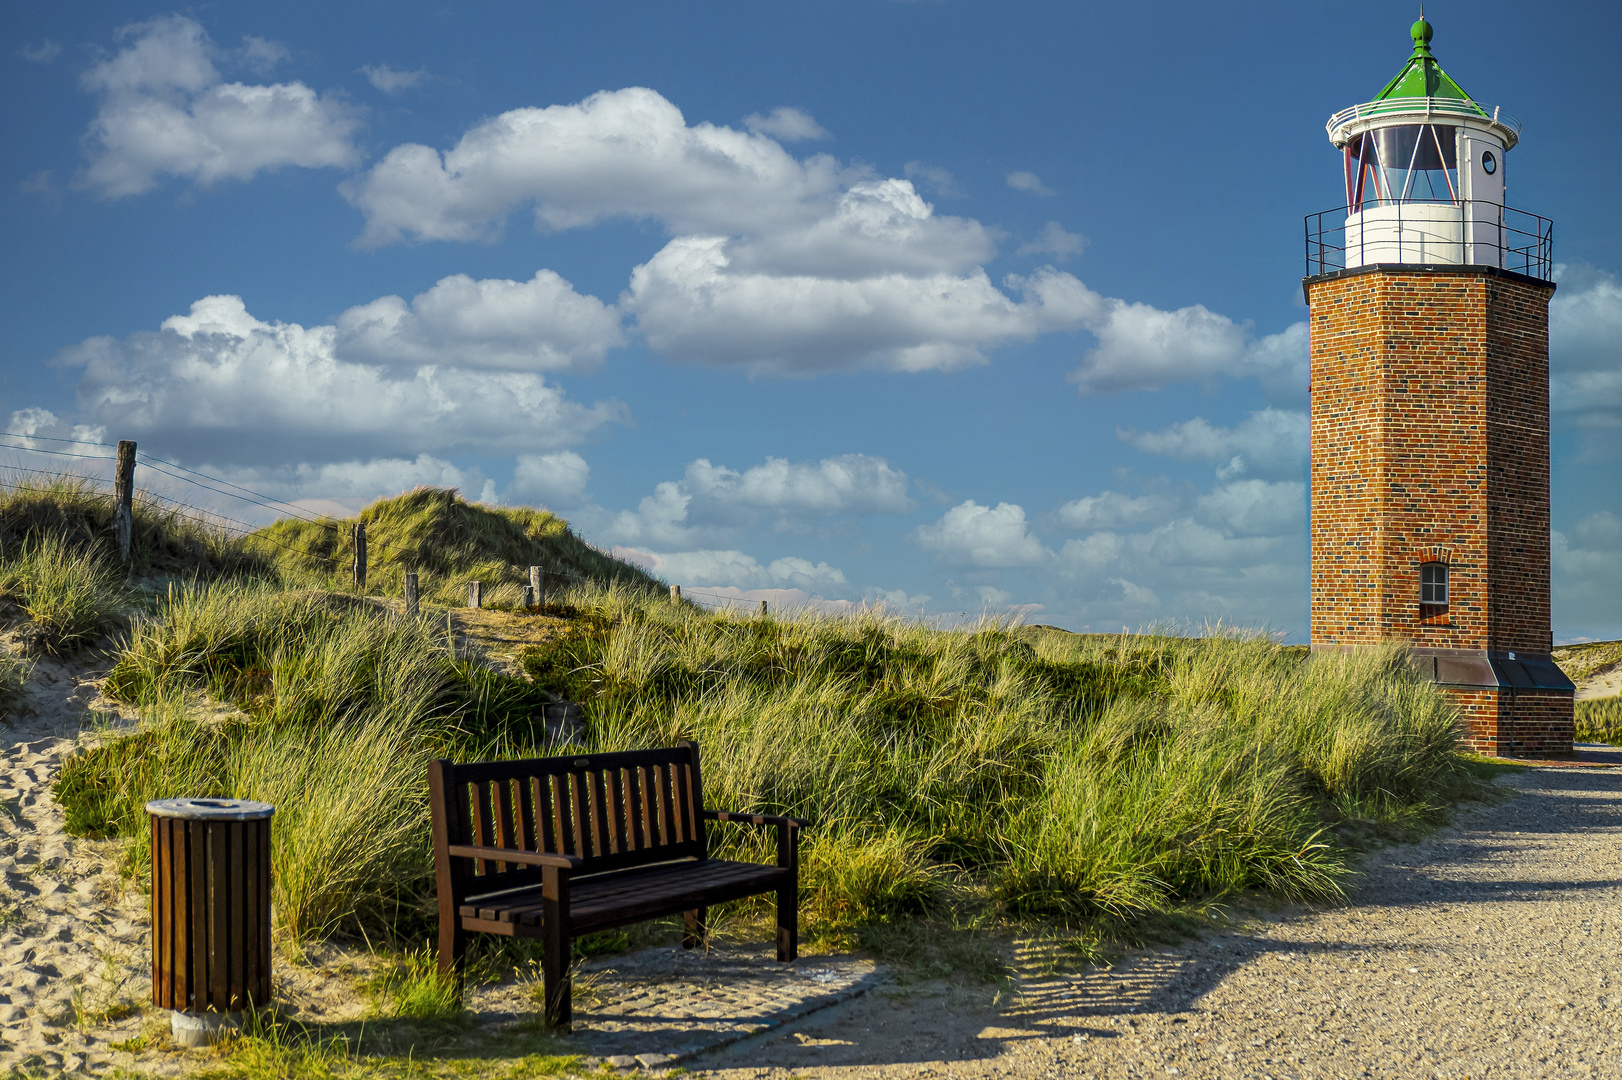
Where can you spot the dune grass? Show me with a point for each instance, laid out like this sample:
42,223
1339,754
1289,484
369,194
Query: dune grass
1004,773
72,596
1600,720
447,541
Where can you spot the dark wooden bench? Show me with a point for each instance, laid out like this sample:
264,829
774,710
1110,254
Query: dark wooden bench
551,848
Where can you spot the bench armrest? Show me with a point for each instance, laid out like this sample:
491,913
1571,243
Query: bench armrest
756,819
515,855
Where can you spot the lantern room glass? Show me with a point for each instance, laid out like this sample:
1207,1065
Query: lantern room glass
1402,163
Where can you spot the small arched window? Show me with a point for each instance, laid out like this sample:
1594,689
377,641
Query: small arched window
1433,585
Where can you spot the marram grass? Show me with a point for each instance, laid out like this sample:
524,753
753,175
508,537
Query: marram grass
1600,720
1020,773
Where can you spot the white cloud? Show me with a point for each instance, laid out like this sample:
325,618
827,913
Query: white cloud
166,111
1111,509
1270,443
711,501
1256,507
536,325
1144,348
355,481
690,306
43,52
850,483
786,124
1585,347
557,479
392,80
1054,240
1587,573
788,266
939,180
741,571
982,536
619,153
1029,182
219,383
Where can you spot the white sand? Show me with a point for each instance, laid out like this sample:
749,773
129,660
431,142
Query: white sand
73,939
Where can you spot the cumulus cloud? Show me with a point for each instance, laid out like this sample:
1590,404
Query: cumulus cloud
781,265
1054,240
1111,509
711,501
1270,443
392,80
165,110
536,325
786,124
740,571
619,153
1587,573
690,307
555,479
1585,347
1028,182
972,535
218,383
355,482
1145,348
1256,507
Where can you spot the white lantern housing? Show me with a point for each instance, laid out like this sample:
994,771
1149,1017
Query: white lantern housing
1425,180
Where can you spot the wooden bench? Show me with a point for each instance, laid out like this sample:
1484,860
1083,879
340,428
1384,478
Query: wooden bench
551,848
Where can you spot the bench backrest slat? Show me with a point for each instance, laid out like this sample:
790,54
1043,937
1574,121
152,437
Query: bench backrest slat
610,810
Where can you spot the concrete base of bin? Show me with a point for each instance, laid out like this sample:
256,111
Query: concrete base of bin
203,1029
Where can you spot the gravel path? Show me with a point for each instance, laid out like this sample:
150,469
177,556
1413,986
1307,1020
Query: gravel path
1488,951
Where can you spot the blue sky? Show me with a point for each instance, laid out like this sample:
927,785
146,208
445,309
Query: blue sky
952,306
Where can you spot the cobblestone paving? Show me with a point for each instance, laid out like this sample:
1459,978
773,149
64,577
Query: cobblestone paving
662,1005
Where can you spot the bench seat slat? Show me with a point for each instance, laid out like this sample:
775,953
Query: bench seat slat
633,895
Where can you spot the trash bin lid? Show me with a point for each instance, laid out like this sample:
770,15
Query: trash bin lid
210,809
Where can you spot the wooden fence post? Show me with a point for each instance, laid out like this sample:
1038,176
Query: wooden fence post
675,593
763,609
411,594
475,594
537,584
124,497
360,556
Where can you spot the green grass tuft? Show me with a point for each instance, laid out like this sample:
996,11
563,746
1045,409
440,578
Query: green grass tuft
1600,720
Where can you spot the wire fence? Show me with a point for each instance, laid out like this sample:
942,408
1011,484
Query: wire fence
388,553
398,554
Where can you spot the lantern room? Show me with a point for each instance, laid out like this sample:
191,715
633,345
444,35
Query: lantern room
1424,167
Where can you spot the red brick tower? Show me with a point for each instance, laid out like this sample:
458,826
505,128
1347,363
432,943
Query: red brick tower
1430,409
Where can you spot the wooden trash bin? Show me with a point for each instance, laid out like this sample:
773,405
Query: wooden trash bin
210,912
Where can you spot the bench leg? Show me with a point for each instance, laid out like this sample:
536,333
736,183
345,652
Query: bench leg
788,895
697,921
452,950
788,923
557,942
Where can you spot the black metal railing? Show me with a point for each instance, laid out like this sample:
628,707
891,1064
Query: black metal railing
1488,235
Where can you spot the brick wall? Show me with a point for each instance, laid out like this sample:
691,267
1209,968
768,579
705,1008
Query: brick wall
1515,723
1430,442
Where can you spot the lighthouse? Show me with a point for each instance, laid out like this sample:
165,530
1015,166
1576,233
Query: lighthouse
1429,327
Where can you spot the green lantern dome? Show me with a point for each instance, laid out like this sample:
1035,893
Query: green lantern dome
1422,76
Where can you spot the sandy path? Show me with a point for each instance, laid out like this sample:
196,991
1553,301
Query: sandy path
1490,950
72,940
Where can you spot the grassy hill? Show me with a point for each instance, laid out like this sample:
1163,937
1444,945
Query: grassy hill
447,541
